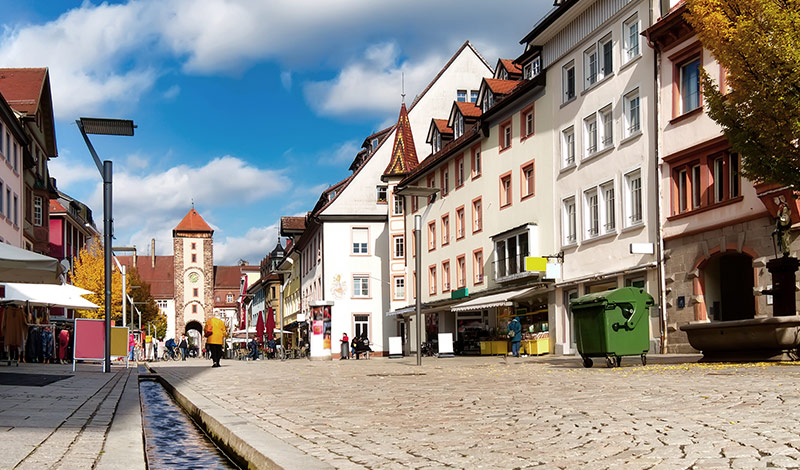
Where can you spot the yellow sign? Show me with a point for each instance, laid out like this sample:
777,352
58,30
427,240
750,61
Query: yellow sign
535,263
119,341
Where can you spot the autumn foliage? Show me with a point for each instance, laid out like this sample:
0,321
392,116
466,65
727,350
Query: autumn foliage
758,44
89,274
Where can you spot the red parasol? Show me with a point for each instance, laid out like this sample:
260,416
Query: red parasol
242,316
270,322
260,328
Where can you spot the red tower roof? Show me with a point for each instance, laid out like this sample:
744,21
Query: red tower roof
193,223
404,153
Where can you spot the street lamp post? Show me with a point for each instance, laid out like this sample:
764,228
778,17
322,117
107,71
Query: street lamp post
105,127
430,193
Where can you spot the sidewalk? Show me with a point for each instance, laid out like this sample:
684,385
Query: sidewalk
52,418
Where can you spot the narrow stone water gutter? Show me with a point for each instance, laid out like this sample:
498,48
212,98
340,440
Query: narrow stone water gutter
172,438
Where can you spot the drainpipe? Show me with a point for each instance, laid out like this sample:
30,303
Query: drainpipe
662,288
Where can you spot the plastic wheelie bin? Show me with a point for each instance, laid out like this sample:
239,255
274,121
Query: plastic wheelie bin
612,324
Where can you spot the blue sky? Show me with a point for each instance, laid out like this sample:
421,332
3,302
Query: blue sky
248,107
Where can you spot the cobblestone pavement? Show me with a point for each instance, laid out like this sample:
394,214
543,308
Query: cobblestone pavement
491,412
67,424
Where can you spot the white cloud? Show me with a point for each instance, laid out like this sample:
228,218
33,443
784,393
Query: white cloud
114,53
342,154
372,84
172,92
252,247
67,172
286,80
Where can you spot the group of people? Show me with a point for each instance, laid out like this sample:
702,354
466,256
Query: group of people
358,346
270,349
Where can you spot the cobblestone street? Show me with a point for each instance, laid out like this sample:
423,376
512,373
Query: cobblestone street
515,413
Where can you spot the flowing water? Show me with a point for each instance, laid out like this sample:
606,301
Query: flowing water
172,440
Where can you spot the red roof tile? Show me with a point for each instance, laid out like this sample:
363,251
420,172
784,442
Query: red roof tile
160,277
468,109
510,66
404,153
22,88
501,87
192,222
293,223
227,277
441,125
56,206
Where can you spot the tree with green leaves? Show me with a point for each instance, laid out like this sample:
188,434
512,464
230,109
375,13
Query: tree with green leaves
758,44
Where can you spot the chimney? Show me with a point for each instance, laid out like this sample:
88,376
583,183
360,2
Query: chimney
153,253
134,256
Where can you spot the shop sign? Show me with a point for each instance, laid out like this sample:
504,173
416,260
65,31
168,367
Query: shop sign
535,263
459,293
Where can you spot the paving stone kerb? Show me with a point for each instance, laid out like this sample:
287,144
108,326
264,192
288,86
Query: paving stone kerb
508,413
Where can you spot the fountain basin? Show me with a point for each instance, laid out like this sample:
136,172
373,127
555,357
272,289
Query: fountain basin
756,339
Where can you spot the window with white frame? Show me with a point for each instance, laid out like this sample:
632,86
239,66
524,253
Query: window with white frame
432,236
488,101
477,266
37,211
445,276
510,252
360,238
632,115
527,181
399,246
633,199
399,287
459,172
458,126
229,298
1,200
461,272
505,190
569,221
597,61
606,128
381,193
568,147
630,39
432,280
445,230
473,96
476,162
591,221
608,213
398,205
436,142
461,95
568,82
536,66
527,71
445,179
460,222
360,285
477,215
590,135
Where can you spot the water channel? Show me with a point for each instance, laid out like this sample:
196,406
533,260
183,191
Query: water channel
172,440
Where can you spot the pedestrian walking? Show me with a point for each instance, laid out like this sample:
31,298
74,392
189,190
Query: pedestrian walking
345,346
215,335
515,335
155,349
184,345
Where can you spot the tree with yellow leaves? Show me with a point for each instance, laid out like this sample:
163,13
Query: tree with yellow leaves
89,273
758,44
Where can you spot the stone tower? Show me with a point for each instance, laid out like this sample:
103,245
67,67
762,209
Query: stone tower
193,245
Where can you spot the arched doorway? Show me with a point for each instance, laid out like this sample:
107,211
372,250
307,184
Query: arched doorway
194,332
728,281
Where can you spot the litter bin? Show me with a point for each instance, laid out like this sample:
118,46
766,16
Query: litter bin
612,324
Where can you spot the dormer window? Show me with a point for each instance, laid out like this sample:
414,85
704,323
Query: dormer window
532,68
488,101
458,130
374,144
436,142
503,74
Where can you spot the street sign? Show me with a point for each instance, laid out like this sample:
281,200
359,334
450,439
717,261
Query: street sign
535,263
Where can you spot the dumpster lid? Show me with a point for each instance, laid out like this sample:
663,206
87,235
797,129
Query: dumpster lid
622,294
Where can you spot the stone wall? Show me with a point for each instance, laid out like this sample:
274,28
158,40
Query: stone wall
208,278
180,302
684,254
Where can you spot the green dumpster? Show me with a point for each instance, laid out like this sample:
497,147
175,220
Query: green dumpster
612,324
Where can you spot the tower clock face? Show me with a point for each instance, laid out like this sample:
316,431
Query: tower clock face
193,277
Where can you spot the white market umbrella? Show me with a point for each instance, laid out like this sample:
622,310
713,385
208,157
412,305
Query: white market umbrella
50,295
18,265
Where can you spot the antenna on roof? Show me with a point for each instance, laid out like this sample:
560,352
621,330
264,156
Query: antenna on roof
192,203
403,86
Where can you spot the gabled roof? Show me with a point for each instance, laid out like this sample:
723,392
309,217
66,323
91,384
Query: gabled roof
192,222
467,109
500,87
471,134
513,69
404,154
22,88
441,126
56,207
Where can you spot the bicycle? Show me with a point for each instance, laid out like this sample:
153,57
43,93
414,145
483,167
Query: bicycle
173,354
